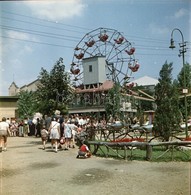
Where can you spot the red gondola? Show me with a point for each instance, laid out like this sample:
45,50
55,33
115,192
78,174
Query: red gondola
103,38
90,44
75,71
77,48
130,85
119,41
131,51
79,56
134,68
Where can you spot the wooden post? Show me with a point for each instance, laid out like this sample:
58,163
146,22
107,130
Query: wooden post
148,152
125,152
172,152
107,153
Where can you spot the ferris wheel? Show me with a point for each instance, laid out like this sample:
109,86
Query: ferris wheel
119,55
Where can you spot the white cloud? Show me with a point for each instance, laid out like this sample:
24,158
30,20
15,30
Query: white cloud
158,30
56,10
19,35
180,13
12,44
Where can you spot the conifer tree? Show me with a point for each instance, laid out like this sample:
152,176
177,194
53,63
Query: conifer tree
112,103
187,85
167,115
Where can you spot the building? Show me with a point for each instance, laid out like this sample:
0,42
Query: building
14,89
8,104
88,99
146,82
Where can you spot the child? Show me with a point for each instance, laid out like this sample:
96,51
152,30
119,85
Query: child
44,136
84,151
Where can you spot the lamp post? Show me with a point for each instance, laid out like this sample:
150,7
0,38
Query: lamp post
59,96
185,90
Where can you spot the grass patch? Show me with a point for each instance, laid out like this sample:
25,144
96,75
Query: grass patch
159,154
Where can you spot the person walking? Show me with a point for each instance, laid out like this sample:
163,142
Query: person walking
44,136
54,131
73,128
67,133
38,128
20,125
4,132
14,128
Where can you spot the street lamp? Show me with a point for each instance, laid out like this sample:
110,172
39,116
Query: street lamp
59,96
182,52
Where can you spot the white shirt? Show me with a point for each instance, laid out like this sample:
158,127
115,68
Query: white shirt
4,126
81,121
73,128
55,125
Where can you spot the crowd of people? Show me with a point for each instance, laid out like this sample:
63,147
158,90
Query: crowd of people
60,131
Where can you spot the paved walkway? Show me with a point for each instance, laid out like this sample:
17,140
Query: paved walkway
26,169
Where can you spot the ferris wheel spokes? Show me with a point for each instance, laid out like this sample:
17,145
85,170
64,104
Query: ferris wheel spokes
113,46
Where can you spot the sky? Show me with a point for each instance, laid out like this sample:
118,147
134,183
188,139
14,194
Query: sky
35,34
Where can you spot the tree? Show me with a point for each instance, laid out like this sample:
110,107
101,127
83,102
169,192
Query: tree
167,115
112,103
54,89
182,85
142,104
27,104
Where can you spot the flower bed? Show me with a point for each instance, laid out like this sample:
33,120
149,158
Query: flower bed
129,140
187,139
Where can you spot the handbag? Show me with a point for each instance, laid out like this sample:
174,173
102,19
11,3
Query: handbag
62,140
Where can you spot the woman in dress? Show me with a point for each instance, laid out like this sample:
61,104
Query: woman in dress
54,130
67,133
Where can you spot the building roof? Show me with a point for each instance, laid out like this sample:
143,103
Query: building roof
13,84
145,81
26,85
104,87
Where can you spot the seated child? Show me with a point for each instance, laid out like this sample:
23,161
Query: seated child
44,136
84,151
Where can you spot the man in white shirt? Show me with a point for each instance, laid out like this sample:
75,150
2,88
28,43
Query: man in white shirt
81,121
73,128
4,130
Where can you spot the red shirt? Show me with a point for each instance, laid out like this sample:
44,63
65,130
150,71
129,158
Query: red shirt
84,148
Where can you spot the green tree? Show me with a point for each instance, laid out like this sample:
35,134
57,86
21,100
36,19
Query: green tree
112,103
54,89
182,85
27,104
167,115
144,104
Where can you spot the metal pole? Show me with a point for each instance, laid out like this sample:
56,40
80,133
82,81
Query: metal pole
182,51
185,98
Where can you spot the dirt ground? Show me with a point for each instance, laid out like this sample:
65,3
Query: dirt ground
26,169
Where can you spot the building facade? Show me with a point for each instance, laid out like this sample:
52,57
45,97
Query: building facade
89,99
8,107
8,104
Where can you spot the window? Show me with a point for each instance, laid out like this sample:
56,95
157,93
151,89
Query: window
90,68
